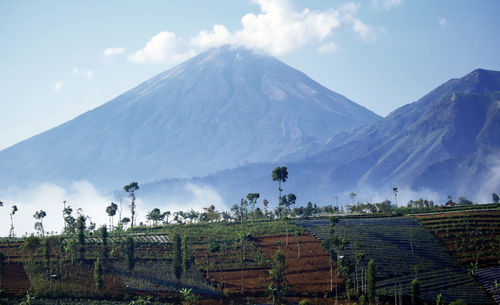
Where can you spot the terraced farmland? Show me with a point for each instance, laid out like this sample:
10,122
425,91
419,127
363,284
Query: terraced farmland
402,250
468,236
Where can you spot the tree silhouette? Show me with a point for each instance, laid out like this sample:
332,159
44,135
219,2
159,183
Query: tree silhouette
130,189
81,226
252,199
111,211
371,282
395,191
12,213
495,198
415,292
39,215
280,174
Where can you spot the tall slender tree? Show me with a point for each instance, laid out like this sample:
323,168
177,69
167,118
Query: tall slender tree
252,199
111,211
280,174
371,282
104,249
395,191
81,226
415,292
131,188
39,215
12,213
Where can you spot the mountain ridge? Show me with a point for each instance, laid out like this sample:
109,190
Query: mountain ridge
443,143
220,109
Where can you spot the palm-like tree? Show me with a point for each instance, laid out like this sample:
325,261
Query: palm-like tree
39,215
14,210
111,211
130,189
280,174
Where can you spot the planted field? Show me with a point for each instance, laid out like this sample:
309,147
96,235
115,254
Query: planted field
402,250
228,258
470,237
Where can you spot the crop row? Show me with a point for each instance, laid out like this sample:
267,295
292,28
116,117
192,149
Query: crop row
402,250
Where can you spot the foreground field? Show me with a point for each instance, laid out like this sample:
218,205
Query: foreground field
403,250
230,261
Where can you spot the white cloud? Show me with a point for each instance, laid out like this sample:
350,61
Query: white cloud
114,51
276,29
279,29
327,48
386,4
49,197
164,46
442,21
218,36
75,71
57,86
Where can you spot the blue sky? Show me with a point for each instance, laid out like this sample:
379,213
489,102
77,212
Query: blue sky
59,59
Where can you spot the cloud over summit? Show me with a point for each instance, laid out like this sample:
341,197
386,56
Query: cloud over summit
276,29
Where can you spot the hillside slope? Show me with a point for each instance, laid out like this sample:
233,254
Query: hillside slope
223,108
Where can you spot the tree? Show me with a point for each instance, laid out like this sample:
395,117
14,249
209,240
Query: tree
415,292
39,224
177,256
154,216
464,201
440,300
81,226
98,274
12,213
252,199
165,216
104,251
130,189
111,211
125,221
130,253
287,202
371,282
495,197
69,220
352,195
299,244
265,202
278,286
395,191
280,174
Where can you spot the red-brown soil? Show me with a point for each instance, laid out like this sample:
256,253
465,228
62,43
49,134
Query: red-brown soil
14,279
309,274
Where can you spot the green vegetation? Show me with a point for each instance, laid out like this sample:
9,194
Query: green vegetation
278,286
472,237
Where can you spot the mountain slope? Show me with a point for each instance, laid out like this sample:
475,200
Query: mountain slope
223,108
447,142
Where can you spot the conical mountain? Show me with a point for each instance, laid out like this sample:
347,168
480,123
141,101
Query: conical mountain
447,142
223,108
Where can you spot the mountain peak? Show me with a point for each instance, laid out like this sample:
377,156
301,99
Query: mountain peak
220,109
